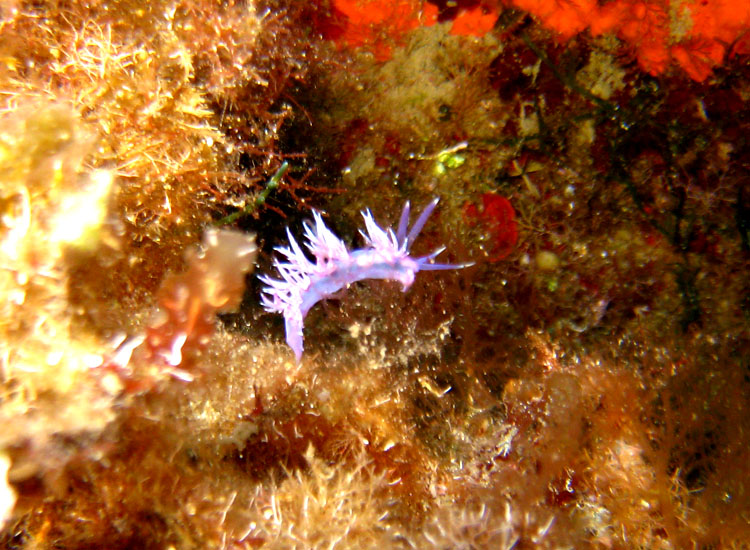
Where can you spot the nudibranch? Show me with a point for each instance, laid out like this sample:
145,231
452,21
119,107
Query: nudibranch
304,282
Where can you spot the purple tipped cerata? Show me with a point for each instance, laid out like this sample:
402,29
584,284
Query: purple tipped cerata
305,282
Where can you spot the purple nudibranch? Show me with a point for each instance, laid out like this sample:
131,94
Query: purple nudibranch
304,283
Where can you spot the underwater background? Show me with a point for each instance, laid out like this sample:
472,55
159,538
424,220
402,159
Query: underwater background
581,380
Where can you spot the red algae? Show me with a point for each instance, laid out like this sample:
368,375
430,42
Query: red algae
497,220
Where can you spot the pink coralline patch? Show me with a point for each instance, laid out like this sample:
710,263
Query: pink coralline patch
498,219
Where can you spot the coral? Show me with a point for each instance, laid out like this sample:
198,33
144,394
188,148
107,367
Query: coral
304,283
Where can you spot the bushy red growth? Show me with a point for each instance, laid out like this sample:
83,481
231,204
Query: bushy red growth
498,219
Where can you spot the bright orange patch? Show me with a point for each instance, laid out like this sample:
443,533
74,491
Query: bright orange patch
476,21
699,57
379,24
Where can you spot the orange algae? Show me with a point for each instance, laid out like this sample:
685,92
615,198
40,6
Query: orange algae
476,21
381,24
565,17
378,24
370,12
742,46
699,57
694,34
641,24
